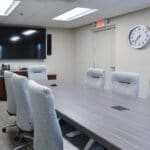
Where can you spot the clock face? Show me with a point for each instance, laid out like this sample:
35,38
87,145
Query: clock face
139,36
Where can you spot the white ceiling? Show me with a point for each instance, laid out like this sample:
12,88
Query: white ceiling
40,12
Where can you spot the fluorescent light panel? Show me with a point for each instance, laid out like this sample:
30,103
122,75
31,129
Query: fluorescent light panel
29,32
75,13
15,38
7,6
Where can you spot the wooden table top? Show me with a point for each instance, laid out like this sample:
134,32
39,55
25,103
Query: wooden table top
93,112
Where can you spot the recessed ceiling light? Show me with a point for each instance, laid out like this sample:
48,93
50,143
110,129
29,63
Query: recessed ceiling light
14,38
7,6
29,32
75,13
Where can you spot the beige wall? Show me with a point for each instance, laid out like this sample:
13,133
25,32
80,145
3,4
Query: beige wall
60,62
83,54
126,58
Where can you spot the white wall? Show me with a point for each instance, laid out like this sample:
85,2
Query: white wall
83,54
126,58
60,62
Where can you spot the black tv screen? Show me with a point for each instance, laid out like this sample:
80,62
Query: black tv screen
22,43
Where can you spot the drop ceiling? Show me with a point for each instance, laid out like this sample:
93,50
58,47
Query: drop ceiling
41,12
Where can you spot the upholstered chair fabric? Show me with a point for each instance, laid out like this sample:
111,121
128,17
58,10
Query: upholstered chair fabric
47,133
125,83
24,118
11,103
37,73
96,77
148,92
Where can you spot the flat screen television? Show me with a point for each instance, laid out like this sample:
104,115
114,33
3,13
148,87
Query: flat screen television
22,43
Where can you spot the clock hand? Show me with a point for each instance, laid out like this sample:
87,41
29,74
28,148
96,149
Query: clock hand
137,38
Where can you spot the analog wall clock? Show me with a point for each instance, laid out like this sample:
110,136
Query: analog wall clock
139,36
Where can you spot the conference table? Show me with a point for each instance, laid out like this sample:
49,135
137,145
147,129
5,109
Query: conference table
116,121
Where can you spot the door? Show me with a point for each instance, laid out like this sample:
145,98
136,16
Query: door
104,52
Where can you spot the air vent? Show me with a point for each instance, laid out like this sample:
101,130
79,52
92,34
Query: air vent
119,108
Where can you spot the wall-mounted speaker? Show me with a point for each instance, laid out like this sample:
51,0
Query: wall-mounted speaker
49,44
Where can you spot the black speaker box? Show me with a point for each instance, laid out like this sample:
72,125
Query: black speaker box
49,44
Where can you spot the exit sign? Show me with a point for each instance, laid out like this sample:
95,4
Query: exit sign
100,23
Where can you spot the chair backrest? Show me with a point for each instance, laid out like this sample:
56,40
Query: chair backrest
47,133
96,77
125,83
24,118
11,102
37,73
148,92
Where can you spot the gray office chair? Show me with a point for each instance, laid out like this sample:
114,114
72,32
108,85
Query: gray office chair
125,83
24,118
96,77
47,133
37,73
11,103
148,92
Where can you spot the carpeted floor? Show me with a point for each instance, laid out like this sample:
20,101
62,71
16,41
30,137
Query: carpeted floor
7,141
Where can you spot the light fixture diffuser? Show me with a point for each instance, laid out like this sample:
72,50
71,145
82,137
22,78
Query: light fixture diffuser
75,13
7,6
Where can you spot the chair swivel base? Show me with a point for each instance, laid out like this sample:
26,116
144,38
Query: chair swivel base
23,146
4,129
22,140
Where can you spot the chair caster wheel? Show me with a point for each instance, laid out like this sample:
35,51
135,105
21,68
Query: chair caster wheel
17,138
3,130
